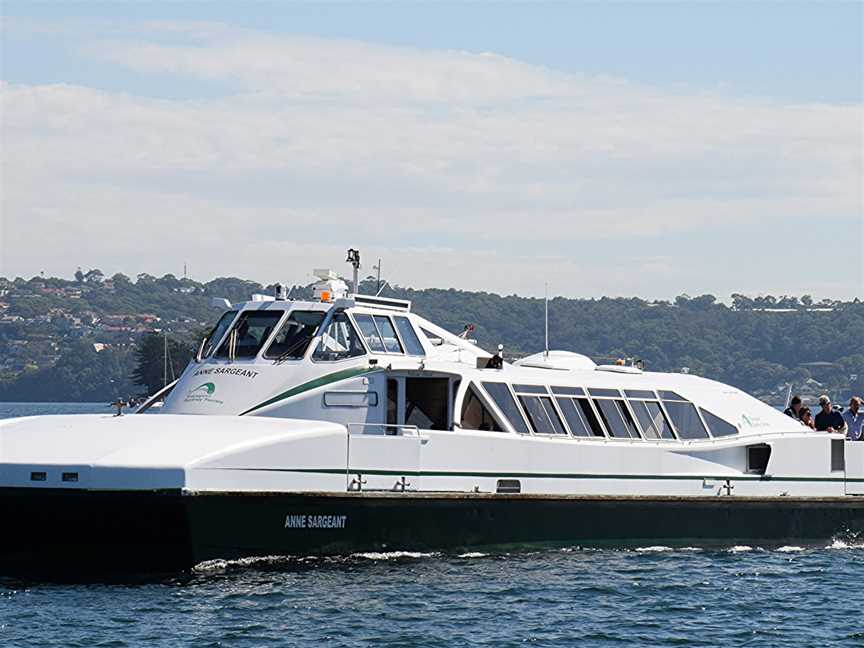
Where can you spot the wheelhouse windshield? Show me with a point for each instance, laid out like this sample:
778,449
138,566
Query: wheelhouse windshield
217,332
249,333
294,337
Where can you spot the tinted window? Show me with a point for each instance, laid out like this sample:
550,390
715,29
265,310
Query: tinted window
671,395
575,419
568,391
594,391
426,401
504,400
218,331
686,420
542,415
475,416
589,415
250,333
718,427
388,334
653,421
529,389
370,333
409,337
614,419
294,337
639,393
338,341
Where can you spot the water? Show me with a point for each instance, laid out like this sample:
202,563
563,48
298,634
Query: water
651,596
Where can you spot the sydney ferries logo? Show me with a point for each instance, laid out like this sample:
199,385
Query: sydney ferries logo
203,393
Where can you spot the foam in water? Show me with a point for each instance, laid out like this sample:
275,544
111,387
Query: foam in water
472,554
790,549
392,555
740,549
653,549
220,564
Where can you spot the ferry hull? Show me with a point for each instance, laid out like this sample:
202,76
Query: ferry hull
86,533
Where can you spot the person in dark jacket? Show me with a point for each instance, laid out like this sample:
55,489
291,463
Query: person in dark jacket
794,409
828,420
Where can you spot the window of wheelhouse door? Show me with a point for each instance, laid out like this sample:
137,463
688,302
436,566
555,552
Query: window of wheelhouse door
426,402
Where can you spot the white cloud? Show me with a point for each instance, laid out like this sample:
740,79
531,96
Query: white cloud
466,161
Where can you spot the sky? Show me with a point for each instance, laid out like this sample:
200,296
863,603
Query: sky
623,149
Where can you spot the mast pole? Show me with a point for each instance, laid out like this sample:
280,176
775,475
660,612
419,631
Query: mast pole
164,357
546,322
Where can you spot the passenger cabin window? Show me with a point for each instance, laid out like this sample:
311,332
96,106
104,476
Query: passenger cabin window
218,331
613,410
475,415
684,416
292,340
500,393
338,341
580,417
653,421
539,409
412,343
249,334
718,426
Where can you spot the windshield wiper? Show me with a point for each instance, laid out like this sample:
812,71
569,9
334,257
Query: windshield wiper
285,355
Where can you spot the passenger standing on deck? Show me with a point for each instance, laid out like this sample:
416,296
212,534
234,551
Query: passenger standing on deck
828,420
854,417
794,409
807,418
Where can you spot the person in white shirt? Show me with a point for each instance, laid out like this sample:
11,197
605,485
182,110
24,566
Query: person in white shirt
854,417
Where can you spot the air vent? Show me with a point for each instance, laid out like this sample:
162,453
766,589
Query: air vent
757,458
38,476
508,486
70,477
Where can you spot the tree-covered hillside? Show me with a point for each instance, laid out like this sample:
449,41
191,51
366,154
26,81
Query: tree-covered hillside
83,339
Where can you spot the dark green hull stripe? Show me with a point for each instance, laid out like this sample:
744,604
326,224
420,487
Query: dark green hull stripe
312,384
445,473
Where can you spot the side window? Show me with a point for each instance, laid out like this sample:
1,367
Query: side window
579,426
249,334
388,334
370,333
539,409
684,417
475,416
654,423
292,340
426,403
718,427
409,337
500,393
338,341
218,331
615,414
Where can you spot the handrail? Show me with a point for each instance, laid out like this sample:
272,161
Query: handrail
398,430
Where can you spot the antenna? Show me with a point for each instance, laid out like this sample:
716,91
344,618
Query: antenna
546,318
354,260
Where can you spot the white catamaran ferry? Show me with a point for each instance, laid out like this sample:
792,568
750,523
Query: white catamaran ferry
349,423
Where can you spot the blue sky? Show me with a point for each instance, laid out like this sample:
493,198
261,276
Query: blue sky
620,148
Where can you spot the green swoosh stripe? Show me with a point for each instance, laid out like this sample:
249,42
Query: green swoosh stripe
327,379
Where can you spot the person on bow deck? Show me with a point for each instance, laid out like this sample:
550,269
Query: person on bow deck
854,418
807,418
829,420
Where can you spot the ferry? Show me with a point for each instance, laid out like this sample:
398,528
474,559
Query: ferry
351,424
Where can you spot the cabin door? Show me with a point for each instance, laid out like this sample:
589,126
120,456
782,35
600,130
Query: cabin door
385,456
854,464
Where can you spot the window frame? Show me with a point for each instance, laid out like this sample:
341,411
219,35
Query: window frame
407,320
515,400
263,344
372,317
474,388
681,400
278,329
597,394
650,396
328,320
539,392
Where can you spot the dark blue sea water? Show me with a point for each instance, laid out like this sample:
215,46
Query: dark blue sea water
652,596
